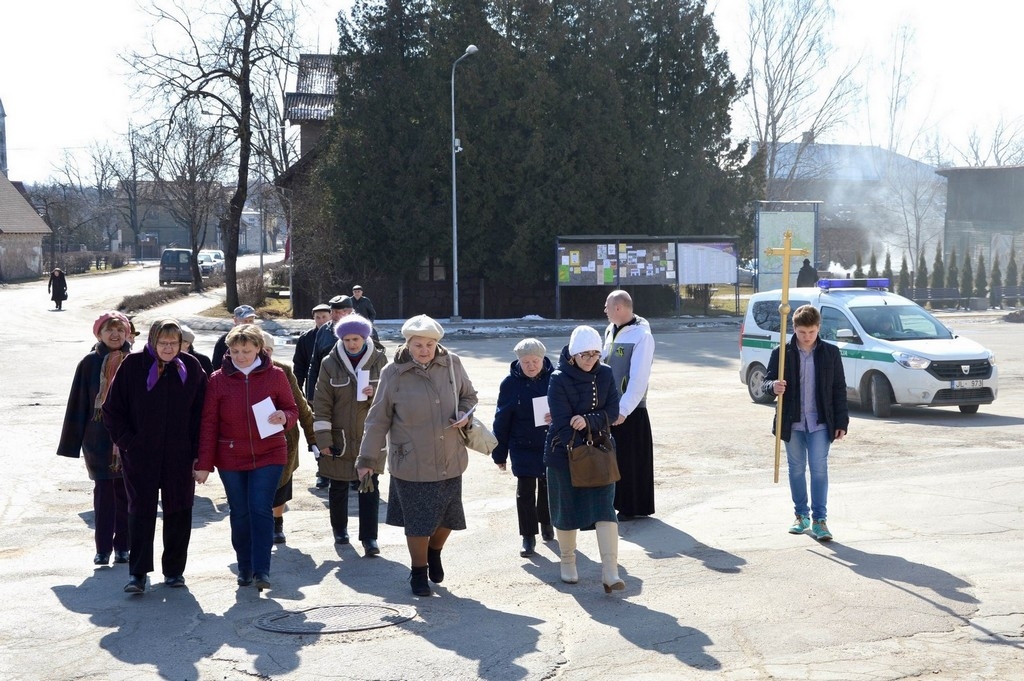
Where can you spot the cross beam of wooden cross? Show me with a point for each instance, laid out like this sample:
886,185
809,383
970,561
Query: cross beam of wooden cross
787,251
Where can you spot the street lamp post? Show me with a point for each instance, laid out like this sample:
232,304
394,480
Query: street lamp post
472,49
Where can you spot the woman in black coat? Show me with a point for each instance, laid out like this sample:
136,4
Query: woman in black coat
153,411
520,436
581,395
84,433
57,287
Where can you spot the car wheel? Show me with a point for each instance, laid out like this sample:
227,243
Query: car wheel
755,385
881,397
968,408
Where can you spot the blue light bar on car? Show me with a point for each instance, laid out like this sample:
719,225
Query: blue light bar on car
879,282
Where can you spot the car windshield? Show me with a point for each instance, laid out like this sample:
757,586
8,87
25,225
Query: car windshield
900,322
205,257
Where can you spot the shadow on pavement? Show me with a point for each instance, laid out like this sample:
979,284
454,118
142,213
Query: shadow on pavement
661,540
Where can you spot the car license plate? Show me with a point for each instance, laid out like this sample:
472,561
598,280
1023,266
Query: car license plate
964,385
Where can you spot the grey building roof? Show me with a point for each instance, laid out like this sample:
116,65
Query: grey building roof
846,162
316,84
17,216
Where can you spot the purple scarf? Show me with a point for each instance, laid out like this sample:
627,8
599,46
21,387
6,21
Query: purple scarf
154,370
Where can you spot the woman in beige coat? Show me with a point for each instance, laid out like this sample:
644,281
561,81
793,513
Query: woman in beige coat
340,406
424,398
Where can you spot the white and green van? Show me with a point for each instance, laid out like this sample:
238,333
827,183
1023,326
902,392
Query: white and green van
894,351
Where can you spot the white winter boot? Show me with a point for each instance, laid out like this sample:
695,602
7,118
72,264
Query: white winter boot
567,549
608,545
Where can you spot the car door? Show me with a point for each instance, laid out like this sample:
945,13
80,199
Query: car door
838,329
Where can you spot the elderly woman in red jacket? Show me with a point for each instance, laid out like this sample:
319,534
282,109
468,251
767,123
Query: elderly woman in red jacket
247,445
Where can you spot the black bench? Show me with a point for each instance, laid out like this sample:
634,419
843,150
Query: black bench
948,295
1001,293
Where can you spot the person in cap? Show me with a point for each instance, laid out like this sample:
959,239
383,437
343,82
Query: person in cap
424,396
152,411
362,304
341,402
83,433
250,464
57,287
807,276
188,338
304,343
581,395
284,486
341,306
243,314
521,435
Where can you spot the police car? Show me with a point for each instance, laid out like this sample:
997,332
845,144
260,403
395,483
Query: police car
894,351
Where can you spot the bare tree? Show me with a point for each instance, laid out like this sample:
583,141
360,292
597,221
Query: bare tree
1002,146
229,45
796,91
130,175
186,160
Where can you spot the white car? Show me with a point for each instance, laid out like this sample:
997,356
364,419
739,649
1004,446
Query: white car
894,351
208,264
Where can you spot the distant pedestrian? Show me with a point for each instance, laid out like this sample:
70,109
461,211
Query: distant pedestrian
57,287
814,414
152,410
807,276
521,437
85,433
304,343
629,351
243,314
362,304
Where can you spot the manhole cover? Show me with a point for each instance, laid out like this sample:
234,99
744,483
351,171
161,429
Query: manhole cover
331,619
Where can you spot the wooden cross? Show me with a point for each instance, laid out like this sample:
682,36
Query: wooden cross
787,251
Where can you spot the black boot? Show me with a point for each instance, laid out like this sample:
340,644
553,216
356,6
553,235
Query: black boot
434,563
418,581
547,532
279,530
529,544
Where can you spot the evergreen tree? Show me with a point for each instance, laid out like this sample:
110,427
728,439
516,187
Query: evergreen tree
873,265
921,276
903,288
858,270
967,281
953,275
938,270
980,280
1011,278
887,272
997,282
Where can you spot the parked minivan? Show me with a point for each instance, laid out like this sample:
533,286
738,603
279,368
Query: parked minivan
893,350
175,265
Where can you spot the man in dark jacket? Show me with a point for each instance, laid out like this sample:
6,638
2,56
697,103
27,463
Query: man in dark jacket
362,304
814,413
243,314
304,343
807,276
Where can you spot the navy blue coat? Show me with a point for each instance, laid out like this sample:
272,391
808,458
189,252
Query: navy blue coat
571,392
514,424
83,429
829,388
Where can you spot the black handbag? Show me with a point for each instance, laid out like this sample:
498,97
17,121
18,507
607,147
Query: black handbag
592,462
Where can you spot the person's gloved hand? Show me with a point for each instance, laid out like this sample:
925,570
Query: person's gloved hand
366,484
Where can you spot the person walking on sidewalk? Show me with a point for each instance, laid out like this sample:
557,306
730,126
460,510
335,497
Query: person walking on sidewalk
814,414
581,395
521,437
629,351
153,410
57,287
83,432
340,405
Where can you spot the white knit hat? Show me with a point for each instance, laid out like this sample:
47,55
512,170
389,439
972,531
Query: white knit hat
422,325
584,339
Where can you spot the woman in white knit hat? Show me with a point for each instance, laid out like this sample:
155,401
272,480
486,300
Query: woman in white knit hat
424,397
581,394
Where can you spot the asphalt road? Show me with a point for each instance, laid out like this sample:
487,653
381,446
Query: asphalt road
922,581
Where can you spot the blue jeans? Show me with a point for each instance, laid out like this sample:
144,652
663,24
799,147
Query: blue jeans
251,498
803,451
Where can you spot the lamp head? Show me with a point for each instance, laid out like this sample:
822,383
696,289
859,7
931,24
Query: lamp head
472,49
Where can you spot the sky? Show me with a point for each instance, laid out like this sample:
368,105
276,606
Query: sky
64,88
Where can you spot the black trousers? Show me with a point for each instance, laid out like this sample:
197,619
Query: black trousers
369,506
532,504
110,509
177,531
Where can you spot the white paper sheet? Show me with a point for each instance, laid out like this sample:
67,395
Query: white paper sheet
362,381
262,411
540,410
